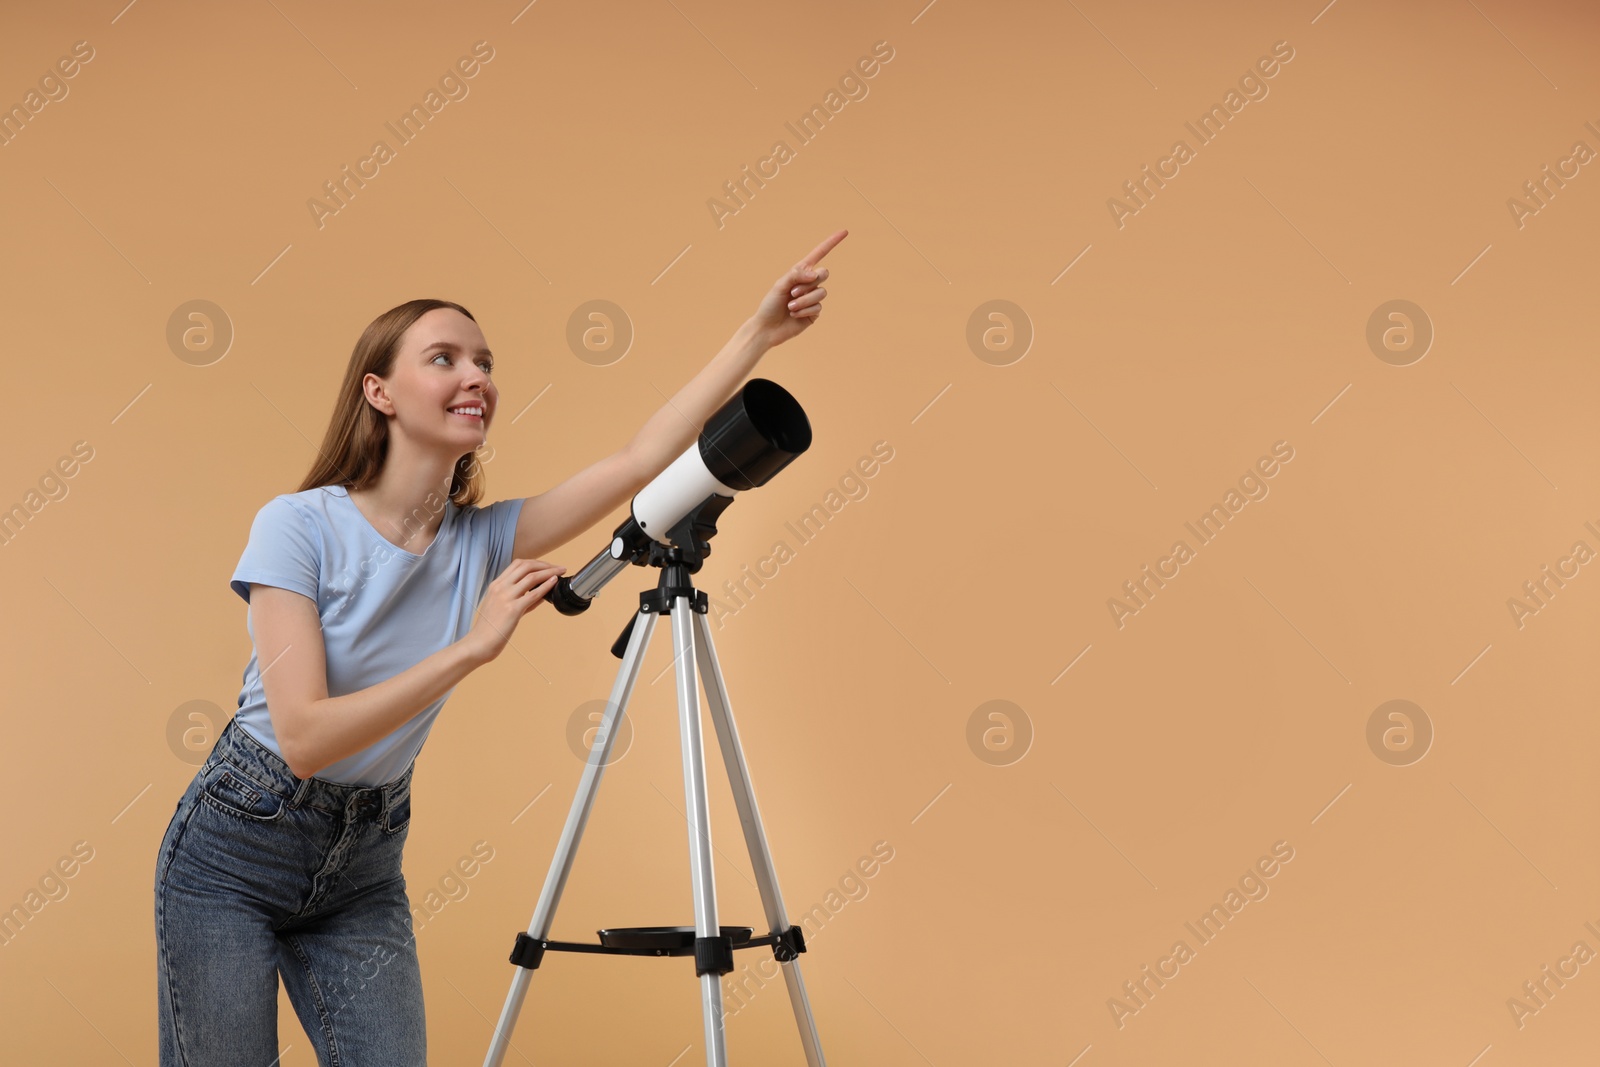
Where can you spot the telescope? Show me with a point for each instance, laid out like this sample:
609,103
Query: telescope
752,437
670,522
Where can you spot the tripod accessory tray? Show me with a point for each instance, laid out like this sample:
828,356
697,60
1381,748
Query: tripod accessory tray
711,954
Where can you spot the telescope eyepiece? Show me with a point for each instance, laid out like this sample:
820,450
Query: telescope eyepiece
564,600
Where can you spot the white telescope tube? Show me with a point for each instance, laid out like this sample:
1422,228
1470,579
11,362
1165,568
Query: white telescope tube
748,440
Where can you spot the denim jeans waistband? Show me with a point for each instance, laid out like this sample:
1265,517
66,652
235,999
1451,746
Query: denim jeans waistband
268,769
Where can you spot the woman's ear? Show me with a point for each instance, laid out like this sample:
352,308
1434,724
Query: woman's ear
377,395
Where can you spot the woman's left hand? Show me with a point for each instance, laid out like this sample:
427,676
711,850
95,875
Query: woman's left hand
795,300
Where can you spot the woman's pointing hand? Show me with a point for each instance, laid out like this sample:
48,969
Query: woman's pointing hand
795,299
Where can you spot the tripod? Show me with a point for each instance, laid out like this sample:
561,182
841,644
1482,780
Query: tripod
711,944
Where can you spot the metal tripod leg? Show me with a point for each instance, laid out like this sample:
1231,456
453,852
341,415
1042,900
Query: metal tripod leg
577,817
699,817
755,837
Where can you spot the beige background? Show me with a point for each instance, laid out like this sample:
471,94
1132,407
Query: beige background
1228,314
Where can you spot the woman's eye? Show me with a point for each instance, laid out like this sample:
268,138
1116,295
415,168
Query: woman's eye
487,365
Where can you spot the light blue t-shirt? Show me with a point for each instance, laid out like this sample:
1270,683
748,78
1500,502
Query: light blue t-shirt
383,609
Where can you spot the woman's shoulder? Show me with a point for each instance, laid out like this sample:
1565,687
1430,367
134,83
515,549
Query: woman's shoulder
307,500
308,507
489,520
492,508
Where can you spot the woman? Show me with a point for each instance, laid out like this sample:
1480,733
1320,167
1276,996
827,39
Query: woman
370,597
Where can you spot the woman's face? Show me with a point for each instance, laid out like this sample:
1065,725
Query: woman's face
444,364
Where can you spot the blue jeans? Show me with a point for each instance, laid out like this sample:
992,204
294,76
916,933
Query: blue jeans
260,874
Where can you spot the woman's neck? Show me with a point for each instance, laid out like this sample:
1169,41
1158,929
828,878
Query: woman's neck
408,518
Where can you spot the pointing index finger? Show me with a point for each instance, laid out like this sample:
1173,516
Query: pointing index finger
823,249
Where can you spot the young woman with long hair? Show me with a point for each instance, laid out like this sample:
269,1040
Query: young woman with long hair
372,591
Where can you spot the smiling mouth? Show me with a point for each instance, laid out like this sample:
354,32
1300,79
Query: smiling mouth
460,414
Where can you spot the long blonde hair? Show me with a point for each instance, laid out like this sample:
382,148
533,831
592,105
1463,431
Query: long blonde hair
357,442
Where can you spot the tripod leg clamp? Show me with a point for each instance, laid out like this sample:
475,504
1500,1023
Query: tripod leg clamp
713,955
789,944
527,952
